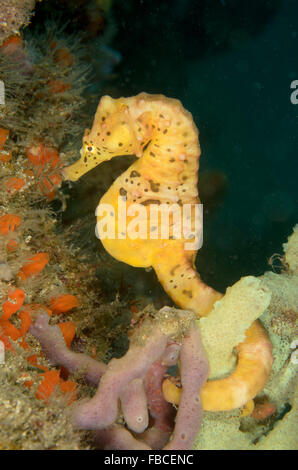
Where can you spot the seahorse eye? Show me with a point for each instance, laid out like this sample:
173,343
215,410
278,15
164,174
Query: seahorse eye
86,148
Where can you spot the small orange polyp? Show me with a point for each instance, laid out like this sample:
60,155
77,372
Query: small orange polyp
5,157
46,162
12,305
33,360
40,155
68,330
263,411
33,266
63,57
7,344
13,184
11,45
50,381
4,134
70,389
63,303
58,86
26,321
9,223
8,329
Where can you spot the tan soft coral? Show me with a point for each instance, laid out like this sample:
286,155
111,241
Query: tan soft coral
235,430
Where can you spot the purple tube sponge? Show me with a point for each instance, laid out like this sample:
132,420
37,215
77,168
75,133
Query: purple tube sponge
135,382
119,383
194,373
56,351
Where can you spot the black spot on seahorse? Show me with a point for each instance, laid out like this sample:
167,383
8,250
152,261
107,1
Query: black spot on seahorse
150,201
134,174
172,272
123,192
188,293
154,186
146,146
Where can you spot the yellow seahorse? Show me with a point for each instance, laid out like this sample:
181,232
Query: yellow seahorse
163,135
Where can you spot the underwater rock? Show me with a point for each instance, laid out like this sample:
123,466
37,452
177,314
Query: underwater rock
39,269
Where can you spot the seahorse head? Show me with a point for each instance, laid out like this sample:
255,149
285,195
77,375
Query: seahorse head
112,134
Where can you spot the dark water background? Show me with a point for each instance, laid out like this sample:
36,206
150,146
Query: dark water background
231,63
